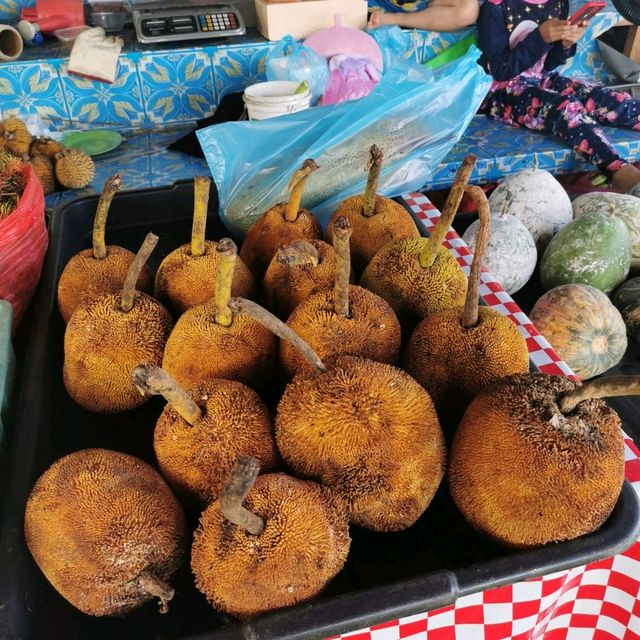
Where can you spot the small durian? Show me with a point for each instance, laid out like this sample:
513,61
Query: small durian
187,276
296,272
44,146
375,220
282,224
538,459
106,531
108,337
200,433
43,168
418,276
281,549
103,268
457,352
16,138
74,169
344,320
211,341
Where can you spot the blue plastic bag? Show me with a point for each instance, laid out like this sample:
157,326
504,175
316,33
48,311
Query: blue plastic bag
289,60
414,115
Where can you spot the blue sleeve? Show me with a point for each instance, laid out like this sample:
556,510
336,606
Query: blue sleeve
498,59
558,55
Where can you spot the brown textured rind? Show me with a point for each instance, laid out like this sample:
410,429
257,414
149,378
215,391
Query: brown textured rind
74,169
95,521
371,330
272,231
43,168
304,544
285,286
103,345
454,363
524,474
413,292
391,221
368,431
184,281
43,146
196,459
15,136
85,278
199,349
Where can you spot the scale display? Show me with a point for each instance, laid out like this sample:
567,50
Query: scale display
191,20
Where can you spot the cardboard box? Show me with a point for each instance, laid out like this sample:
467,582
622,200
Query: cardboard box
301,19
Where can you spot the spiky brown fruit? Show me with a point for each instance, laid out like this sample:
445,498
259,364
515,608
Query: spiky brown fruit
199,349
371,330
86,278
15,136
414,292
43,168
74,169
272,231
304,544
370,432
391,221
285,286
453,363
103,345
196,459
106,531
184,280
524,473
43,146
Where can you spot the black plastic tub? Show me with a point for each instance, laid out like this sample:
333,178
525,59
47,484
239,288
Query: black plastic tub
387,575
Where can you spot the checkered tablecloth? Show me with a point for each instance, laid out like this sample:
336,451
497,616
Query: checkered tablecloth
598,601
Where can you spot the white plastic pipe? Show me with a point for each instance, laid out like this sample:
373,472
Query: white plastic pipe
11,44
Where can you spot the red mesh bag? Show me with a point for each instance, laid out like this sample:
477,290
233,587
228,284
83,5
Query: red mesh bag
23,244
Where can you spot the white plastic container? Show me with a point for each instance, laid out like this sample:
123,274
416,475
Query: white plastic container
11,44
276,98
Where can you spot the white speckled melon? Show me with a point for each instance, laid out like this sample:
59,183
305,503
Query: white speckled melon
511,254
622,206
594,249
583,326
537,199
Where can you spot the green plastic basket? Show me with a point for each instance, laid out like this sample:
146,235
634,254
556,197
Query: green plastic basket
454,52
7,367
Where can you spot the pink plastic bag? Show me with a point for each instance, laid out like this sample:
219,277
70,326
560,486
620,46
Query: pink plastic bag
350,78
23,245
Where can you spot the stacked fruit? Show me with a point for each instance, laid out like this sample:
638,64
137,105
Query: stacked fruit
355,438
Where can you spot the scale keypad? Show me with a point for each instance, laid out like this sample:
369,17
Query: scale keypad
217,22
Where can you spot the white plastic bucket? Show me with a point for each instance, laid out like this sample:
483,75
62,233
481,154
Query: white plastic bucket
272,99
10,43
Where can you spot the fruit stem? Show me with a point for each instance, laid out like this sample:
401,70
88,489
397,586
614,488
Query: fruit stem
129,289
298,253
602,388
201,186
241,478
156,587
374,167
279,328
111,187
227,252
154,381
341,234
470,310
432,245
296,187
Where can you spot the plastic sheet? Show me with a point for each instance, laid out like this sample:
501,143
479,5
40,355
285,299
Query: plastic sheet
290,60
414,115
23,244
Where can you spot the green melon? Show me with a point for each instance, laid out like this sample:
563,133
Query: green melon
594,249
627,300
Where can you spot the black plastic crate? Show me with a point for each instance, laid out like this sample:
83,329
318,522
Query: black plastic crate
387,575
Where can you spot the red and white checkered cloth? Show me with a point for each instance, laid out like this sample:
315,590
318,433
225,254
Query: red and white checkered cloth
599,601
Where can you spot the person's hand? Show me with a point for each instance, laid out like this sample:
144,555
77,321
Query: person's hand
377,19
554,30
572,36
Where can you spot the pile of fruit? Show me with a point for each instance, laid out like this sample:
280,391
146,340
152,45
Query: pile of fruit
56,166
383,389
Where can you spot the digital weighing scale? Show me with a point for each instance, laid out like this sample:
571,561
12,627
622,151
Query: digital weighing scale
186,20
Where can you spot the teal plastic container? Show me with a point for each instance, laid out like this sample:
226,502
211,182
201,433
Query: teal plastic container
7,367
